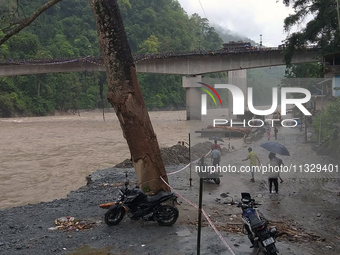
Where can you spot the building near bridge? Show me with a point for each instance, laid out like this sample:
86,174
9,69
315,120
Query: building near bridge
328,89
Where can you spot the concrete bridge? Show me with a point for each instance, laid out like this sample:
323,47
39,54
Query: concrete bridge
190,65
182,64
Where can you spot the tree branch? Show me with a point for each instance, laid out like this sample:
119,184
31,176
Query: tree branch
29,20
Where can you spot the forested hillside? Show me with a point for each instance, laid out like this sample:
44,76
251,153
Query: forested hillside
68,30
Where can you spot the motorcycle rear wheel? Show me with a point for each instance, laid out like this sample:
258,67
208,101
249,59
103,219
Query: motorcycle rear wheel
266,252
114,215
166,215
271,253
251,239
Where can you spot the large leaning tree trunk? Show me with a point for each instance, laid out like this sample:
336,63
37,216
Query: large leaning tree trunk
126,97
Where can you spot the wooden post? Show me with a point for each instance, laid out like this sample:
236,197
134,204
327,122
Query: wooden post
190,179
200,211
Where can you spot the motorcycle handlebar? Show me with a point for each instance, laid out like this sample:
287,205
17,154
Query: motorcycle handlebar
240,204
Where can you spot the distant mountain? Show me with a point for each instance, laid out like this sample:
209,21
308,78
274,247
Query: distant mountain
227,35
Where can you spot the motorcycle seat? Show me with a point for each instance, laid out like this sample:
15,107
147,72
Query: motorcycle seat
254,221
159,196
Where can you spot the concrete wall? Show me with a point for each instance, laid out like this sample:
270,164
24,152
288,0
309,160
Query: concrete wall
193,97
239,79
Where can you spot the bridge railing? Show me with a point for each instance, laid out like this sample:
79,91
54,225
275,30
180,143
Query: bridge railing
142,57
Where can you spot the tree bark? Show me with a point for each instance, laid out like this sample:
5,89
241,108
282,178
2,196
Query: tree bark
125,95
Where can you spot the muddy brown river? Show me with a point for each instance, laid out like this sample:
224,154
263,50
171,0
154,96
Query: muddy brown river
44,158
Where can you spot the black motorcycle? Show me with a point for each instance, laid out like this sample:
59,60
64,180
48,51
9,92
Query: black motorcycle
138,205
256,226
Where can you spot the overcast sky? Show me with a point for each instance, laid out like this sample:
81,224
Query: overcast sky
248,18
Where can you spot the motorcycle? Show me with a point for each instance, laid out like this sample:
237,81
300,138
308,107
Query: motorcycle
138,205
257,226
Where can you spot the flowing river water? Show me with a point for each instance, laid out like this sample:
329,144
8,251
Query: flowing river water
44,158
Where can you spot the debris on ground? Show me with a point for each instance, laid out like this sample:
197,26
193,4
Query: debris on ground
295,234
117,184
285,231
70,223
178,154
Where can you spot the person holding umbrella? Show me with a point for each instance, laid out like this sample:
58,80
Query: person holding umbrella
216,146
273,176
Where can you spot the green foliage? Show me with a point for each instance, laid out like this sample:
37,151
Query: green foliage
322,30
68,30
303,75
150,45
162,91
309,70
329,117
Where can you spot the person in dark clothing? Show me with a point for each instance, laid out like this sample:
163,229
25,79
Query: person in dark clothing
275,132
216,146
273,176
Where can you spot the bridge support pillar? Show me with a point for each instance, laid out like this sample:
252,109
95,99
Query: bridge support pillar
193,96
239,79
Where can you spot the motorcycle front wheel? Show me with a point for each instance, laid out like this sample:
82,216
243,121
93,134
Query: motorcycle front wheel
114,215
166,215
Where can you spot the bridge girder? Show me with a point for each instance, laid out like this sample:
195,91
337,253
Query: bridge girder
185,65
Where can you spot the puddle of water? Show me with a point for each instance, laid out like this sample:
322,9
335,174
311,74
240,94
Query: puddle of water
184,233
87,250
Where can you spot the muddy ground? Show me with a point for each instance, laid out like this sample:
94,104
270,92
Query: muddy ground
306,212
